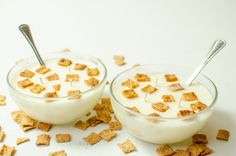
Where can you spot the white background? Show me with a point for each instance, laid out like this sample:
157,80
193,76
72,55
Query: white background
145,31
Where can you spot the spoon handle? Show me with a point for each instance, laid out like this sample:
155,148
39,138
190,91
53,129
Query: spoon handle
215,48
25,29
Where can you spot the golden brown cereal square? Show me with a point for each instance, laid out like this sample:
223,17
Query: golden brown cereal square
198,106
142,77
171,77
43,139
24,83
57,87
175,87
51,95
27,128
92,82
52,77
18,115
153,119
159,106
92,138
127,146
165,150
92,71
27,73
181,152
129,93
81,125
130,84
64,62
106,100
21,140
168,98
190,96
36,88
115,125
198,150
2,100
72,77
79,66
118,57
2,136
27,121
60,138
43,70
107,134
182,113
44,126
134,109
7,150
103,115
58,153
149,89
93,121
75,94
223,135
199,138
120,62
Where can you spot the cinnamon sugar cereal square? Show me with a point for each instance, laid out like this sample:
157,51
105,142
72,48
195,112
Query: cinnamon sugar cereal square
6,150
107,134
130,84
58,153
50,95
185,113
43,139
79,66
198,150
181,152
175,87
64,62
37,88
159,106
127,146
142,77
199,139
103,115
18,115
21,140
81,125
57,87
2,100
93,121
43,70
149,89
27,73
74,93
165,150
61,138
223,135
171,77
198,106
115,125
92,82
129,93
53,77
92,138
27,128
119,60
92,71
190,96
72,77
134,109
43,126
168,98
2,136
25,83
27,121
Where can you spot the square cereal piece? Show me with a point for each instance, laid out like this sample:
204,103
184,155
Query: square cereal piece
181,152
58,153
25,83
43,139
92,71
129,93
81,125
27,121
75,94
142,77
130,84
44,126
149,89
159,106
198,106
118,57
168,98
92,82
2,136
198,150
64,62
21,140
7,150
106,100
43,70
171,77
103,115
127,146
107,134
175,87
56,87
93,121
115,125
134,109
53,77
27,128
182,113
37,88
223,135
72,77
190,96
50,95
2,100
120,62
61,138
18,115
199,139
27,73
165,150
79,66
92,138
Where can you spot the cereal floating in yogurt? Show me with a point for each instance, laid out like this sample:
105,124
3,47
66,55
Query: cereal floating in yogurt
52,77
161,107
198,106
175,87
37,88
43,70
168,98
27,73
130,84
142,77
92,82
190,96
79,66
51,95
134,109
119,60
130,93
72,77
57,87
171,77
92,71
149,89
64,62
25,83
185,113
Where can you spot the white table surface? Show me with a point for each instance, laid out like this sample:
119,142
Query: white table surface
145,31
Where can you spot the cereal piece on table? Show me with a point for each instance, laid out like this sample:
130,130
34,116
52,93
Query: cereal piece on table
168,98
129,93
92,82
27,128
2,136
21,140
75,94
27,121
64,62
79,66
119,60
72,77
165,150
92,71
43,70
198,150
61,138
93,121
142,78
161,107
81,125
6,150
52,77
115,125
171,77
182,113
27,73
2,100
43,139
57,87
199,138
103,115
25,83
190,96
181,152
107,134
127,146
175,87
18,115
51,95
44,126
149,89
92,138
36,88
105,104
223,135
134,109
198,106
58,153
130,84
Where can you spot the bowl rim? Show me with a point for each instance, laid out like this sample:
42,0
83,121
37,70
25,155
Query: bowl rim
160,117
81,56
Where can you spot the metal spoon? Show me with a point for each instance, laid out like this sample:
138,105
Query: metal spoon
25,29
215,48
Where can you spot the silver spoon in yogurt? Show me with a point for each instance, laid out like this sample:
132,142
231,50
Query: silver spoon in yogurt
25,29
217,46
